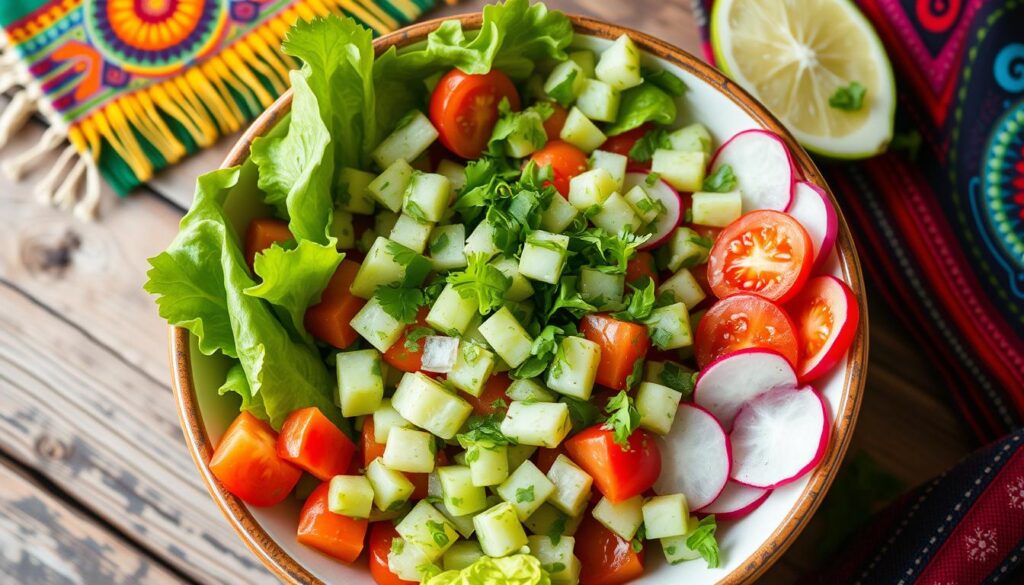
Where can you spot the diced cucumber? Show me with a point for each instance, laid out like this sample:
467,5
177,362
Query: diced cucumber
488,465
507,337
527,135
682,170
598,101
383,222
572,486
573,373
581,132
684,288
481,241
675,548
360,383
685,249
543,256
389,186
586,60
352,195
472,368
463,524
499,531
694,137
451,312
619,65
542,424
616,215
666,516
411,233
409,450
549,521
612,162
396,512
461,496
391,488
526,489
565,81
668,373
446,246
342,230
557,559
380,268
669,327
590,188
716,209
601,288
428,529
622,518
529,391
377,326
427,196
455,172
406,142
520,289
407,562
657,406
558,215
386,418
350,495
427,404
517,454
643,204
461,555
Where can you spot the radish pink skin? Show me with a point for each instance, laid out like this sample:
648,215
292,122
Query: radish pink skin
818,455
716,361
728,447
659,239
831,225
739,512
843,339
793,170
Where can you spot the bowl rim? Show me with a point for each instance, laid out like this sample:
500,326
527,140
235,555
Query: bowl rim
286,567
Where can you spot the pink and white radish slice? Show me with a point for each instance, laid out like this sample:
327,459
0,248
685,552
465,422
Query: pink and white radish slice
727,383
662,192
814,210
700,460
735,501
778,437
825,313
763,167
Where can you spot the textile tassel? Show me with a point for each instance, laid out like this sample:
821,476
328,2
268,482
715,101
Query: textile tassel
46,188
14,116
64,196
16,167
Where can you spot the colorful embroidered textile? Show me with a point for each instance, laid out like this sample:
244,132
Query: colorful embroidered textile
139,84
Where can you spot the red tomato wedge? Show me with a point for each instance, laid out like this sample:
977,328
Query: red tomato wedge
381,535
401,354
464,109
261,234
494,390
623,345
741,321
332,534
826,315
606,559
618,474
640,266
247,465
566,161
765,252
311,441
623,143
553,125
330,319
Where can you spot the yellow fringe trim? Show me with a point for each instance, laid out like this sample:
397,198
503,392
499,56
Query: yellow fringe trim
204,99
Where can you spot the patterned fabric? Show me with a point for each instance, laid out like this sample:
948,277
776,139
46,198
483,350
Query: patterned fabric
139,84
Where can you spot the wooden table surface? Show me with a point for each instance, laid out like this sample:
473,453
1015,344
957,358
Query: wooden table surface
97,485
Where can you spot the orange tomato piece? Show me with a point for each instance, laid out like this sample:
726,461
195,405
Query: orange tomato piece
606,558
623,345
401,354
261,234
312,442
330,320
334,535
641,265
247,465
553,125
494,390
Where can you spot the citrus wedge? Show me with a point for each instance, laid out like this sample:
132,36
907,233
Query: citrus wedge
795,55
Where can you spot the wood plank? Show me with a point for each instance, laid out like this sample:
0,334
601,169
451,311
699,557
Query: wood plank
43,540
108,435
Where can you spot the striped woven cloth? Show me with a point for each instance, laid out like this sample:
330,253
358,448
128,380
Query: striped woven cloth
136,85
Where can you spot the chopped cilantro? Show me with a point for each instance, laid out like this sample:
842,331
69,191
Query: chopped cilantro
413,337
525,495
643,149
557,529
641,301
849,98
623,418
439,244
722,180
397,545
652,179
702,540
481,281
401,303
437,532
555,567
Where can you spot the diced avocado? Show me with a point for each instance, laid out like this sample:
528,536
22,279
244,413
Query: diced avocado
716,209
657,406
507,337
669,327
572,486
612,162
455,172
352,195
557,559
451,311
481,241
526,390
581,132
685,249
684,288
389,186
558,215
386,418
407,562
565,81
391,488
499,530
573,372
472,368
526,489
694,137
517,454
549,521
409,450
601,288
427,404
619,64
598,101
406,142
350,495
590,188
586,60
427,196
543,256
411,233
342,230
377,326
542,424
428,529
381,267
616,215
446,247
461,495
666,516
643,204
360,383
682,170
622,518
461,555
520,288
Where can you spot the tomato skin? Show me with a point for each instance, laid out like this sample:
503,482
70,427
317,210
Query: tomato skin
335,535
494,389
622,344
330,319
623,143
262,233
741,321
464,109
246,463
310,441
399,356
618,474
553,125
606,559
566,162
641,265
778,240
381,535
826,305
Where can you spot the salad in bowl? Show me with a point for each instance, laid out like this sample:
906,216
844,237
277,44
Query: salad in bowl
509,305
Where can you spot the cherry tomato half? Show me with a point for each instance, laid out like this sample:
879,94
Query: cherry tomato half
826,315
619,474
246,463
566,162
381,536
493,391
605,558
741,321
623,143
553,125
464,109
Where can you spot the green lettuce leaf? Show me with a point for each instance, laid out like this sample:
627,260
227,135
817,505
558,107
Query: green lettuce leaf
644,103
236,382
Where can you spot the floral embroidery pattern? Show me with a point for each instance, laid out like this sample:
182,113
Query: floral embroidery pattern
1015,489
981,544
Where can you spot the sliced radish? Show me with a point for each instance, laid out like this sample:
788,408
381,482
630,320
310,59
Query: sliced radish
663,192
778,436
825,314
813,209
735,501
763,167
700,461
727,383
